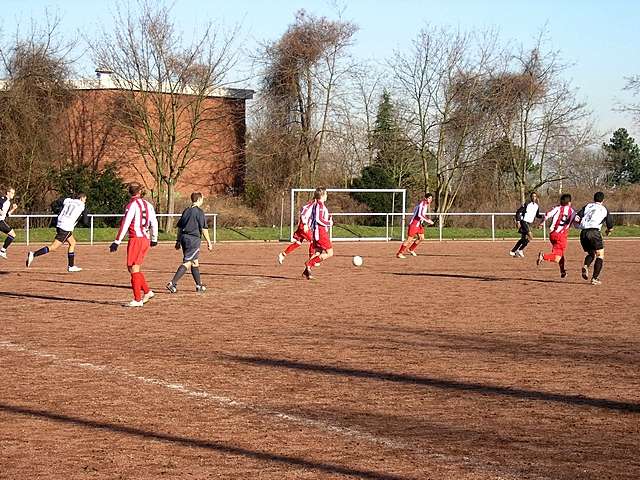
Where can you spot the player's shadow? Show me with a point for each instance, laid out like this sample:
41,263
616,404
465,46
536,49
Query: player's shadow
4,273
88,284
482,278
250,275
57,299
442,384
327,468
215,264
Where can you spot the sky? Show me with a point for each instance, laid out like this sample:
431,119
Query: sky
597,38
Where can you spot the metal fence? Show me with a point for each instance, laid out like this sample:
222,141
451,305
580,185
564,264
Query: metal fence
28,222
441,220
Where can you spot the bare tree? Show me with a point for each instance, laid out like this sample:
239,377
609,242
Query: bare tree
165,82
37,67
302,70
538,113
440,80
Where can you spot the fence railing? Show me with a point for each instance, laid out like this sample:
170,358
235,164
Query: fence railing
389,225
92,217
440,219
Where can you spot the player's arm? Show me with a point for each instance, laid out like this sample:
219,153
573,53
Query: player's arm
424,216
153,225
84,218
129,215
205,229
609,223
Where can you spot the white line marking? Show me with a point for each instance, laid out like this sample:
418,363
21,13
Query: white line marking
221,400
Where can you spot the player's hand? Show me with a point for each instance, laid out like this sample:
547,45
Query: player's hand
153,243
113,247
431,223
14,208
177,245
305,228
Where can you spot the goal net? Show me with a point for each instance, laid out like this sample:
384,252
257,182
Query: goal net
353,216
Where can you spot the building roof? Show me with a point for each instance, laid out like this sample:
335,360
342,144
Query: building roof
104,81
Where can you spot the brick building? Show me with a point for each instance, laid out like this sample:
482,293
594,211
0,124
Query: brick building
216,157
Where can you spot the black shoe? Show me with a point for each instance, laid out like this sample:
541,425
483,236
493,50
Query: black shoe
201,288
585,272
540,259
563,274
307,273
172,288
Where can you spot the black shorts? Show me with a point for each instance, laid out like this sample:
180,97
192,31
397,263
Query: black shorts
4,227
524,228
62,235
591,240
190,248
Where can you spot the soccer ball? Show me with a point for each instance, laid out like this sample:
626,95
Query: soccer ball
357,260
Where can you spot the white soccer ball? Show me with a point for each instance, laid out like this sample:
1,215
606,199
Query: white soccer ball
357,260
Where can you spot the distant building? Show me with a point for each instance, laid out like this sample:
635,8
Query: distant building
218,156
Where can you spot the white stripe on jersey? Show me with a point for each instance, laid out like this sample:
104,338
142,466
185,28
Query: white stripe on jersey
71,210
305,213
561,218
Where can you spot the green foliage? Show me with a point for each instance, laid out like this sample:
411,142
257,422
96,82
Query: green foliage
106,192
624,155
374,176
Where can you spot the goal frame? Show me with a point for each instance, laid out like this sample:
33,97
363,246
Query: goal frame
402,191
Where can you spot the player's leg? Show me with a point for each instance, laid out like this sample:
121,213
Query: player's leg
563,270
597,266
418,240
43,251
136,250
290,248
405,245
71,255
195,273
11,236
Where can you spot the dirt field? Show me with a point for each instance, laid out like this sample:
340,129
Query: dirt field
462,363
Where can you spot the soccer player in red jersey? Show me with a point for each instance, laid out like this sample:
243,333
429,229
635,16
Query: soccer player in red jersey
415,233
562,216
321,223
302,233
141,224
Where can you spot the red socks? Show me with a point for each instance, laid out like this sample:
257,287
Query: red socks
413,247
291,248
313,262
402,249
138,285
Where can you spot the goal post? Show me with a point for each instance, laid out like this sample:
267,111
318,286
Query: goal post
294,208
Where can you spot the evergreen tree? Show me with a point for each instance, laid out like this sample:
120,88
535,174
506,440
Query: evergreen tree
624,157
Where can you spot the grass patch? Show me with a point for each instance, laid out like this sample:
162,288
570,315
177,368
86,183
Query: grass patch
46,235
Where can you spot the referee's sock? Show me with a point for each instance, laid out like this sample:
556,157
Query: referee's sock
597,267
195,273
179,273
71,258
588,260
42,251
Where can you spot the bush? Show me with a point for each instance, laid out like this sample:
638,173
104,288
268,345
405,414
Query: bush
106,191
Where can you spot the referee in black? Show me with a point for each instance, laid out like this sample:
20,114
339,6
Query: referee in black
191,226
591,218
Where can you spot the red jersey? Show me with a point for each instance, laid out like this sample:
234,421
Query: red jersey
139,221
320,219
561,219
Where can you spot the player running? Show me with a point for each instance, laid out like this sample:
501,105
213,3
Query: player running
562,216
525,216
141,224
191,227
6,210
302,233
415,234
591,218
73,209
321,223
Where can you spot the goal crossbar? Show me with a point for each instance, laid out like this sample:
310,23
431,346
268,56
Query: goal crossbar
401,191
